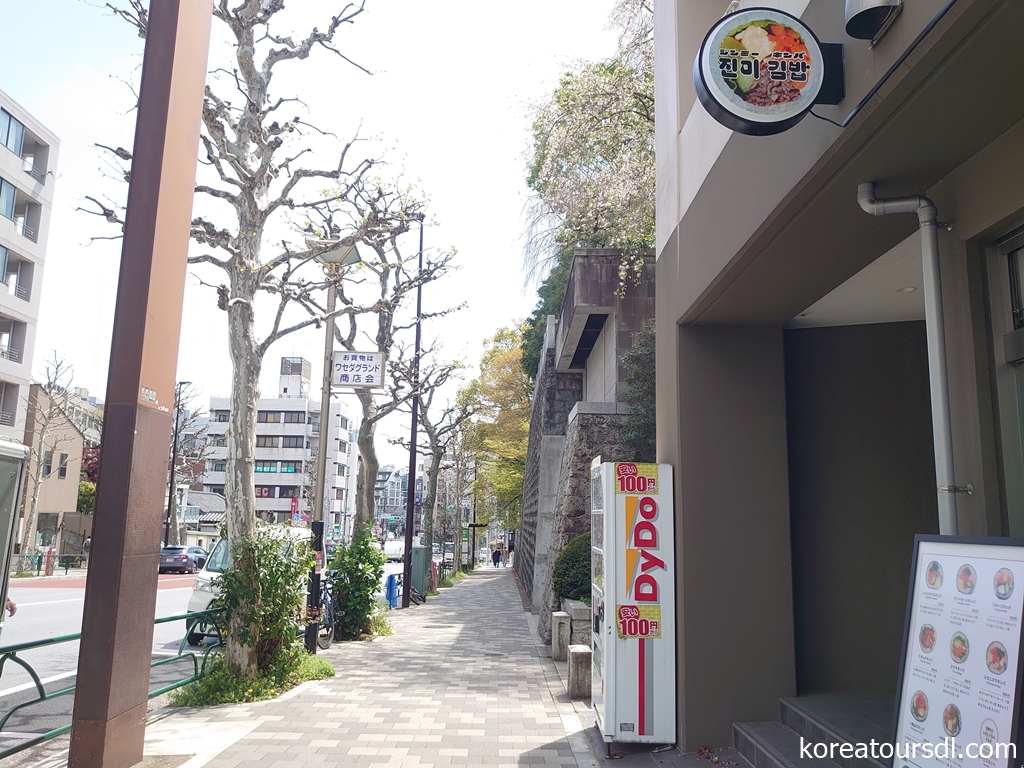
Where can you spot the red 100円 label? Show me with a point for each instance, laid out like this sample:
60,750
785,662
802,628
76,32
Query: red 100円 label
636,621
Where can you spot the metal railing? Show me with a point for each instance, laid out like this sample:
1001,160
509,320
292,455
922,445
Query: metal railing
10,353
29,232
11,653
6,419
36,565
21,292
36,173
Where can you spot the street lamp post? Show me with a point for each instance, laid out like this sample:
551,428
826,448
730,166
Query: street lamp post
410,503
336,256
174,459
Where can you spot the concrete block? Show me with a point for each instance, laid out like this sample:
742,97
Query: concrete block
560,635
579,671
581,619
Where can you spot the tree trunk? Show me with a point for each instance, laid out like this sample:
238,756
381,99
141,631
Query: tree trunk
428,501
366,480
173,534
239,482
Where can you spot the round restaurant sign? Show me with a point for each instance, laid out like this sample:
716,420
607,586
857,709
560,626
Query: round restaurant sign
758,71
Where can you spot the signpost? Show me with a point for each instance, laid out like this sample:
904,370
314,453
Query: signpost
633,690
360,370
961,671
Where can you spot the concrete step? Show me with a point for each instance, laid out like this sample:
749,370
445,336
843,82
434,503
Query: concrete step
773,745
831,718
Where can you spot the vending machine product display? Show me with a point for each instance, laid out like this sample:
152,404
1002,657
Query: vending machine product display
633,601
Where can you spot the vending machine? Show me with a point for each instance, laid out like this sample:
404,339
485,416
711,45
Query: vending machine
633,602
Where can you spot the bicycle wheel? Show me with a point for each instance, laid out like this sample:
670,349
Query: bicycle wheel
325,632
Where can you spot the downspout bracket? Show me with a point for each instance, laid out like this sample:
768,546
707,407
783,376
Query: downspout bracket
968,489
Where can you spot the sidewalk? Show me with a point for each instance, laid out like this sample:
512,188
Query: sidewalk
460,682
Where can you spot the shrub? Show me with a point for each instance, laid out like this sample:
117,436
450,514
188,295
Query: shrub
221,686
379,623
263,591
571,576
360,567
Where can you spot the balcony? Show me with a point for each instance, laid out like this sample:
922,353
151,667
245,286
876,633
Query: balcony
6,419
12,354
18,139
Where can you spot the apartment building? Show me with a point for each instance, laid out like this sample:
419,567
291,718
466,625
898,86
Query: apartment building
28,159
288,439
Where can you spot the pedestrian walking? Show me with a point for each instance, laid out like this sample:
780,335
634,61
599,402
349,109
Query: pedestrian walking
504,558
511,554
12,607
495,556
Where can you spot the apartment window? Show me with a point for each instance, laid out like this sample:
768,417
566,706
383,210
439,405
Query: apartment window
220,441
62,468
294,417
265,441
214,489
264,491
340,470
47,463
289,492
7,193
221,416
292,442
344,423
265,466
342,446
12,133
220,466
339,494
307,445
291,466
268,417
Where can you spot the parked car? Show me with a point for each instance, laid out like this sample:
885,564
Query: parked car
394,550
204,588
182,559
449,552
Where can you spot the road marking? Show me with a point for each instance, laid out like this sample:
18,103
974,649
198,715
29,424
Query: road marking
44,681
51,602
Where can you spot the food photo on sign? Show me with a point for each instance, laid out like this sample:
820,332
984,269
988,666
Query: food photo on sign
759,71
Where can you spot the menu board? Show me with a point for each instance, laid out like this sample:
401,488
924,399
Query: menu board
962,660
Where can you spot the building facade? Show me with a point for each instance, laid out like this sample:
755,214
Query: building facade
28,161
793,374
288,438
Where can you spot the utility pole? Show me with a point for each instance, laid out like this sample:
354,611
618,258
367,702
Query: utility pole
112,688
410,502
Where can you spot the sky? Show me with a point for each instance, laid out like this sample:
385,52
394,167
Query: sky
445,104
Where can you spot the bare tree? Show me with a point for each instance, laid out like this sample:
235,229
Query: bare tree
377,216
252,175
440,432
188,452
48,426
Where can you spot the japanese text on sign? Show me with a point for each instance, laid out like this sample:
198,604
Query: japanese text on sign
358,369
638,621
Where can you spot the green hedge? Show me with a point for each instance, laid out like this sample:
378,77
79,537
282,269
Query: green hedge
571,577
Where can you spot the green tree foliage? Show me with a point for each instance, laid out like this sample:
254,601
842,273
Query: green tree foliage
263,591
638,394
86,497
571,575
360,568
499,436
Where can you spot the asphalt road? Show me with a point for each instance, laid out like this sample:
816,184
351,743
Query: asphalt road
51,608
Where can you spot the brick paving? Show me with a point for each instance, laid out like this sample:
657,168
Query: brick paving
460,682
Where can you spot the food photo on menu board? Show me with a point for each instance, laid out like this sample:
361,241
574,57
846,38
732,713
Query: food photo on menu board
961,665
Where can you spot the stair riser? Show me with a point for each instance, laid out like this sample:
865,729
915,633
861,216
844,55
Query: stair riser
814,732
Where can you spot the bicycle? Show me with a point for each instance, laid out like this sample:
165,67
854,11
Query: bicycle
325,631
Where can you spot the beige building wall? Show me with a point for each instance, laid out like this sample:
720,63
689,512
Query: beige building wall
49,430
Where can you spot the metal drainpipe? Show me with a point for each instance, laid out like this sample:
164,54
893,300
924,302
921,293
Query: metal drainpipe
939,384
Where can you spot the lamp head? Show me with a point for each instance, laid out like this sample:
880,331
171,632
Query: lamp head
336,252
866,19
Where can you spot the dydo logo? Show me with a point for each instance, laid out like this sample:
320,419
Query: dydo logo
643,567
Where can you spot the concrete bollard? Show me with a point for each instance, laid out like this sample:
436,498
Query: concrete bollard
560,631
579,671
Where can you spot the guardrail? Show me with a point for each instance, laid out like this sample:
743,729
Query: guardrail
10,653
37,566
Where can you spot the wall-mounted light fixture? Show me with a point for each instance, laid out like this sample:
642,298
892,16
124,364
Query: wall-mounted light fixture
870,19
